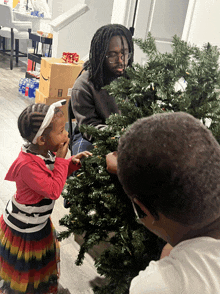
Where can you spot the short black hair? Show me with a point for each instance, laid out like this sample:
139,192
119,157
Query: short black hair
99,47
171,163
31,118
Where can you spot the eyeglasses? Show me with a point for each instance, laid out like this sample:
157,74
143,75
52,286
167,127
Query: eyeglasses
138,211
114,57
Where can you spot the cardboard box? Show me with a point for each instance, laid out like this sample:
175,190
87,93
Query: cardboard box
41,98
57,77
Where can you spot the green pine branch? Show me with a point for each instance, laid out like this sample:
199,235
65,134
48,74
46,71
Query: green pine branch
100,211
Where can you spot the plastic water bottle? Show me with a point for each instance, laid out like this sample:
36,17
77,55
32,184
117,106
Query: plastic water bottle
23,87
36,83
31,86
32,89
20,87
26,94
36,86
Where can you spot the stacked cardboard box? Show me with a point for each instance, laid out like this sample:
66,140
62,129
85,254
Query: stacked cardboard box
56,81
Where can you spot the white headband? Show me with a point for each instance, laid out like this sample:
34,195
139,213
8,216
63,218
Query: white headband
48,118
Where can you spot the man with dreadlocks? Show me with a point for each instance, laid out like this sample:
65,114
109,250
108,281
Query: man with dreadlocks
111,51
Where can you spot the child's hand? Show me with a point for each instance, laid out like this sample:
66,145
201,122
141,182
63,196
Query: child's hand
77,157
63,148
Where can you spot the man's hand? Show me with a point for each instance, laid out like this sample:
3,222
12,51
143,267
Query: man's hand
111,161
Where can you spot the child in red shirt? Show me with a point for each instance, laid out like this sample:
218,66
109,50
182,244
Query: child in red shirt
28,246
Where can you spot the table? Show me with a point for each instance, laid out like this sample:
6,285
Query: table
38,23
35,57
36,39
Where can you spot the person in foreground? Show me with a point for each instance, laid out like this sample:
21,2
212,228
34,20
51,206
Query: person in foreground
29,250
169,166
111,52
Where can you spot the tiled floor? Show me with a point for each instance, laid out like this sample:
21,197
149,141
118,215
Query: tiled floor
74,279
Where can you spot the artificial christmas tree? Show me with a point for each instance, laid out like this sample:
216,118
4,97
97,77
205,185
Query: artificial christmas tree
185,80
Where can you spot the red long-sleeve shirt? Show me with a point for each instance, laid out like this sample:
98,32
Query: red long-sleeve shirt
34,181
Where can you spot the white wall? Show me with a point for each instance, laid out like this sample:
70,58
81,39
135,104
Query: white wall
120,12
58,7
205,26
204,22
76,37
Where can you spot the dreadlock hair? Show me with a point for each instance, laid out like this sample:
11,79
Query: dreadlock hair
98,50
31,118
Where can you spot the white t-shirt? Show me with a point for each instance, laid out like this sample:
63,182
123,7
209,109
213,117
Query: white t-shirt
193,267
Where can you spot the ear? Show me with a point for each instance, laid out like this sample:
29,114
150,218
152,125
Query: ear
150,217
41,140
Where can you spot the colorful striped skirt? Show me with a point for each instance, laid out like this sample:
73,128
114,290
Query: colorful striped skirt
29,261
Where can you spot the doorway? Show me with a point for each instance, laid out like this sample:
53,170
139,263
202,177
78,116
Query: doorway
163,19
